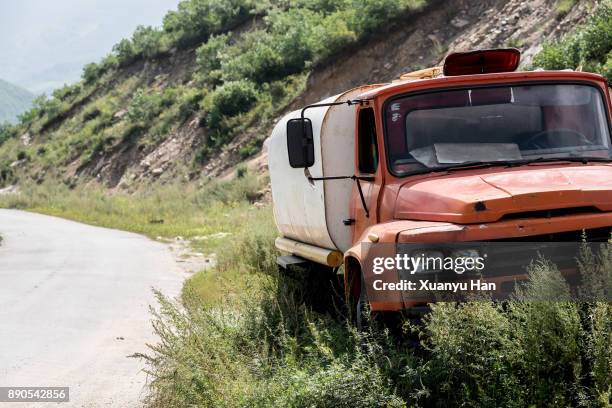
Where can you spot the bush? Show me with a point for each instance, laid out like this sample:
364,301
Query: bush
125,52
256,58
371,15
342,384
270,349
474,358
589,47
67,91
144,107
208,59
91,72
196,20
189,103
229,100
36,111
7,131
147,42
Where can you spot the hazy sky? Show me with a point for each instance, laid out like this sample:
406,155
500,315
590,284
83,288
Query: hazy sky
44,43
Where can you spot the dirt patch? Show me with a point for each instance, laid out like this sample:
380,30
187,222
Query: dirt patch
188,260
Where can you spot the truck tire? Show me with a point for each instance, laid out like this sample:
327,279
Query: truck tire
315,285
357,297
362,307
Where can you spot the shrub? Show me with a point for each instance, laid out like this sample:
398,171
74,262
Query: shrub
371,15
144,107
256,58
91,72
147,42
547,324
589,47
36,111
208,59
195,20
284,48
332,35
474,357
67,91
229,100
342,384
189,103
7,131
125,52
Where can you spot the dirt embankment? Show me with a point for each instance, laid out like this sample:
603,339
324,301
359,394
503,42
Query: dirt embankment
424,39
414,42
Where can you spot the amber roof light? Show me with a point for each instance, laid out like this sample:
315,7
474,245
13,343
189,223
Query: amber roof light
482,62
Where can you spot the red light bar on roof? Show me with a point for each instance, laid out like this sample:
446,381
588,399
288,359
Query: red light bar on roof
482,62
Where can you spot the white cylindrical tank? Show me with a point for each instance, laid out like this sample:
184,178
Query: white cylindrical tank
312,212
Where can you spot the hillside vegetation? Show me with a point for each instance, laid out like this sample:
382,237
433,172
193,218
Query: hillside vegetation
588,48
14,100
222,66
191,99
167,102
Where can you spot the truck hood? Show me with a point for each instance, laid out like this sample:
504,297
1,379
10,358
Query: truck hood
478,198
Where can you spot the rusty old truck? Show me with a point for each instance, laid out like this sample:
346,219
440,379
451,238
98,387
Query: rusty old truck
470,151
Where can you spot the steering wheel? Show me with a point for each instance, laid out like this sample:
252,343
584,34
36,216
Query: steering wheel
537,141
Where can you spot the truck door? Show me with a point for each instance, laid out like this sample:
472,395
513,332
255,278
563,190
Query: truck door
367,163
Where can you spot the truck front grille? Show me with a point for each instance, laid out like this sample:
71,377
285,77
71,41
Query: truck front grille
589,235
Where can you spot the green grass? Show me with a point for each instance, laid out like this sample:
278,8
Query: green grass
260,345
167,211
208,217
563,7
243,335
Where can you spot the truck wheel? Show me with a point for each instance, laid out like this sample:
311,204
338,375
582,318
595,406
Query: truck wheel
314,285
359,303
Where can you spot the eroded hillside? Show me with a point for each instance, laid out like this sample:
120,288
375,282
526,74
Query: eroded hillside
193,111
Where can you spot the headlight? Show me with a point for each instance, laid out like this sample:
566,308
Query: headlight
456,260
466,259
432,260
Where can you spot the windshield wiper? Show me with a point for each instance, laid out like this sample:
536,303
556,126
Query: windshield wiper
510,163
464,165
575,159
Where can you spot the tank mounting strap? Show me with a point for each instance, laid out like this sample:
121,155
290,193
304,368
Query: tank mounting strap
354,178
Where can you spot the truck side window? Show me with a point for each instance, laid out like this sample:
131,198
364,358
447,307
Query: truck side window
368,147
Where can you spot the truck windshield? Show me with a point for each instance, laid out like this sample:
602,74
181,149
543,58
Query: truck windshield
502,124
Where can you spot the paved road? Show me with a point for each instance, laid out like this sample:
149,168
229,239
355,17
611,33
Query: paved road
74,304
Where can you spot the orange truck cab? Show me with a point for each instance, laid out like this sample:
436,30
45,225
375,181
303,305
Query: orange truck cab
472,151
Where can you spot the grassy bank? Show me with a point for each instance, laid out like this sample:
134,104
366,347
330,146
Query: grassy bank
243,335
263,346
167,211
207,217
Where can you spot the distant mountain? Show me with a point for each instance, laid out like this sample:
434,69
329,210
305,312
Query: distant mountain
45,44
13,101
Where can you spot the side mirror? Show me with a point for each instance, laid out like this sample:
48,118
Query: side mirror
300,145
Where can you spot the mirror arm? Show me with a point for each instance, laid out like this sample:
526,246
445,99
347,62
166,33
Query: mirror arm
349,103
354,178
